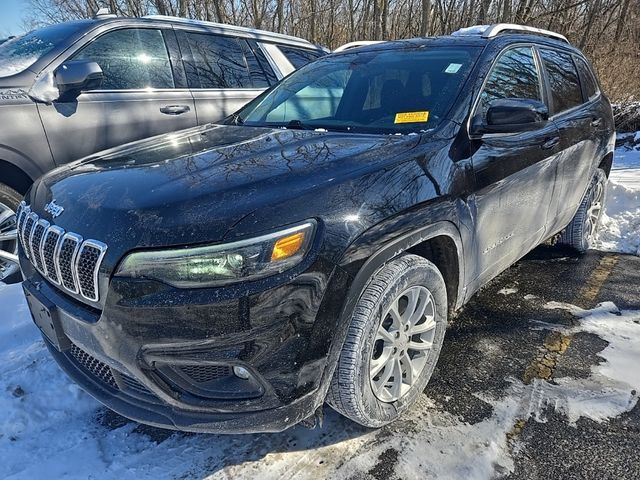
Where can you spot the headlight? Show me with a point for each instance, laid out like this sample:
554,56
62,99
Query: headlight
216,265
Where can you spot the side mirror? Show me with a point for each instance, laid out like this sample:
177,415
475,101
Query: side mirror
512,115
76,76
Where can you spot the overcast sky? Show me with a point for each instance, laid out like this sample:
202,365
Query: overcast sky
13,12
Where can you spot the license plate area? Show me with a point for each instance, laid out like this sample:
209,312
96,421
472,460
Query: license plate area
45,316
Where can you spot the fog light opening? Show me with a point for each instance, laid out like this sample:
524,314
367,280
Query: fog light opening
241,372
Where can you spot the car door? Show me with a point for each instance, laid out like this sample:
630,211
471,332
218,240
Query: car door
515,173
578,122
141,95
222,72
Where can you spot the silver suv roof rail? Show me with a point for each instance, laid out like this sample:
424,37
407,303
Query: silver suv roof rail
228,27
491,31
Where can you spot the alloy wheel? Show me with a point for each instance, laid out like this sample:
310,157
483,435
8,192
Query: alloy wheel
8,242
594,211
402,344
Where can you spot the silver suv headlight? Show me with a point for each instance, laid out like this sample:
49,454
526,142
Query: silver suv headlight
215,265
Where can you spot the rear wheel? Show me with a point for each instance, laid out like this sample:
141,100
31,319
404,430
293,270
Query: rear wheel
393,343
9,201
582,230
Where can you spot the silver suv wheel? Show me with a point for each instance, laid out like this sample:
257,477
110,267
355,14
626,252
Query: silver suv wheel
8,242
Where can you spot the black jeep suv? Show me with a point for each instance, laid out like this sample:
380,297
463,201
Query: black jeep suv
235,277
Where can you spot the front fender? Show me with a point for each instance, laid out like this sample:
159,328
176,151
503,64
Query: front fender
366,255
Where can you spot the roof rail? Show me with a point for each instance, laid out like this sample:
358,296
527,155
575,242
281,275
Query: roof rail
357,43
491,31
254,31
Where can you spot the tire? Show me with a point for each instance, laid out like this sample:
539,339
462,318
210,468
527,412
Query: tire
582,229
9,201
354,392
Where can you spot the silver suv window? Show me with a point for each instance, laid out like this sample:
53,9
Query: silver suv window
132,58
216,62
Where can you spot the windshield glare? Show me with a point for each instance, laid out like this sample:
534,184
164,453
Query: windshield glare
387,91
18,54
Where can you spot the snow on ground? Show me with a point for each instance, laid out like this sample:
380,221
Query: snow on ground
620,223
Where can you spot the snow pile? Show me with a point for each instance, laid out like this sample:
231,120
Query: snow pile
620,222
613,386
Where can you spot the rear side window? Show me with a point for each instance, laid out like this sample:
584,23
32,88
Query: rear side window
588,81
130,59
299,57
514,75
563,80
256,71
216,62
262,60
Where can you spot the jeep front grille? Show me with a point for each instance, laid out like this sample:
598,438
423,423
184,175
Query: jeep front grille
64,258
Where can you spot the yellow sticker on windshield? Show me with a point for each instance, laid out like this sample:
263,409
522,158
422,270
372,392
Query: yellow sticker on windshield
411,117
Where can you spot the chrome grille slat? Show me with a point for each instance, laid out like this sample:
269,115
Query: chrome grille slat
64,258
36,244
52,238
29,222
90,254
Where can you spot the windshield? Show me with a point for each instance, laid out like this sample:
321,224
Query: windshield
18,54
384,91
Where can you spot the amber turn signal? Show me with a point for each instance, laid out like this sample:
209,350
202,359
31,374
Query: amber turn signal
287,246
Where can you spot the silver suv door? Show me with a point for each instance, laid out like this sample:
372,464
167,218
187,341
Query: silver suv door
222,72
141,95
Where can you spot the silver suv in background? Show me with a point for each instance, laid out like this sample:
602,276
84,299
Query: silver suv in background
79,87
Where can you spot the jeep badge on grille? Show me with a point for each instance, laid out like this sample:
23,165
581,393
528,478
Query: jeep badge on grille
53,208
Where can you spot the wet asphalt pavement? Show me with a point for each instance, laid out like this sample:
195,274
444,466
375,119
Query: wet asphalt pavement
491,342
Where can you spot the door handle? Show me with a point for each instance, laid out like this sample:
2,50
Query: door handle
549,143
174,109
596,122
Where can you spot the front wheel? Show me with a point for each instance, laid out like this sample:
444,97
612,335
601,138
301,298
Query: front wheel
582,230
393,342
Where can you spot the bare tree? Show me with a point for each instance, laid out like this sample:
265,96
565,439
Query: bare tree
608,31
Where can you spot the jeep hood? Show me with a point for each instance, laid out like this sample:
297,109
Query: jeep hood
193,186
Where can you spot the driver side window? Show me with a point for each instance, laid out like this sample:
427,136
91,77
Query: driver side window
514,75
131,58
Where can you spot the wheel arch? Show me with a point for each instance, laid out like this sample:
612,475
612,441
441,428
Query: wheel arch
14,177
439,243
606,163
425,241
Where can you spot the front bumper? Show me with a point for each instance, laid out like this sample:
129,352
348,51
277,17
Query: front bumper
165,357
